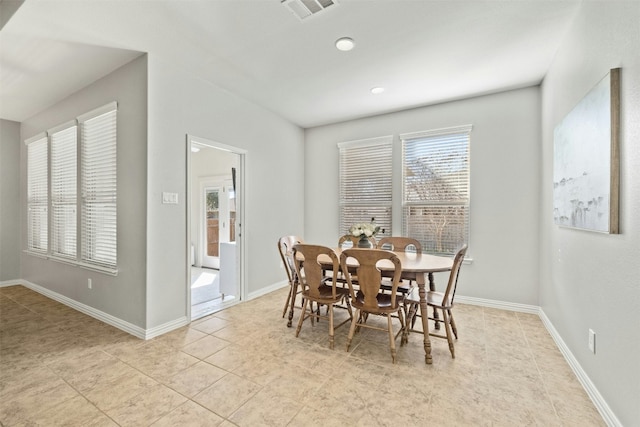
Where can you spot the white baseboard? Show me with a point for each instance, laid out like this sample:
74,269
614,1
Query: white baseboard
502,305
123,325
268,289
601,405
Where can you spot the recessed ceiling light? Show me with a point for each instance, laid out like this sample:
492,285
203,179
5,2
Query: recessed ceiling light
377,90
345,44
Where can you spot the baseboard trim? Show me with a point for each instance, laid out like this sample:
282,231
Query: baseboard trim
268,289
166,327
6,283
116,322
502,305
601,405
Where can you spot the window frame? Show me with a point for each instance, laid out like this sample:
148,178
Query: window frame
461,204
378,206
34,192
60,189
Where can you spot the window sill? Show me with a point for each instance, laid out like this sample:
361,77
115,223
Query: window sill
86,266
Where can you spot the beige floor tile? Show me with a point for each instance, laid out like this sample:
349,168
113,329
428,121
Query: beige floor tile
205,347
266,408
195,378
110,394
147,407
209,324
60,367
227,394
189,414
77,411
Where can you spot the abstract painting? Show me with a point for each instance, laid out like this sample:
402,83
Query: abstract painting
586,160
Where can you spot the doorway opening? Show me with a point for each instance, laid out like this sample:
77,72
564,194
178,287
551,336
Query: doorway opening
215,191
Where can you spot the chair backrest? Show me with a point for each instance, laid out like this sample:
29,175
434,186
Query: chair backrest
400,244
369,274
307,262
285,248
354,241
450,292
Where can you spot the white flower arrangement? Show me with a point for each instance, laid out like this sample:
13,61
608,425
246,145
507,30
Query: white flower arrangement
364,229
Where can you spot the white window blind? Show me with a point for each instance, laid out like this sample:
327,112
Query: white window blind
436,191
98,182
366,183
37,194
64,189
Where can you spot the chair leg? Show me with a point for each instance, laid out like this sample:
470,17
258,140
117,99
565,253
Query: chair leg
453,324
392,341
402,314
447,326
352,328
293,294
303,314
286,303
331,331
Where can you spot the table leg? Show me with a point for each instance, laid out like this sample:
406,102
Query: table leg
436,315
424,316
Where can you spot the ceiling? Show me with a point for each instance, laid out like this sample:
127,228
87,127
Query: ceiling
422,52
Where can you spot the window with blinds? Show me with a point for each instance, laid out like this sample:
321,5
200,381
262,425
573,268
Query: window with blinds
76,156
366,183
98,202
64,189
37,194
436,191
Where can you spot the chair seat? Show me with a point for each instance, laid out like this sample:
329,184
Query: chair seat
326,294
403,287
434,298
384,301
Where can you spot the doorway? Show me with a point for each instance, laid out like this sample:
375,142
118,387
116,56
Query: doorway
214,212
217,217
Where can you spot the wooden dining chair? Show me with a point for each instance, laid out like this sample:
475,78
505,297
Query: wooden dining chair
442,301
285,248
400,244
318,288
368,299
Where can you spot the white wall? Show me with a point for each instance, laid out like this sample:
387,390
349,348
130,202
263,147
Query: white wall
591,280
181,104
121,296
505,169
9,197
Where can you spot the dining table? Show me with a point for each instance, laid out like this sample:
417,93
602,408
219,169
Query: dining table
419,267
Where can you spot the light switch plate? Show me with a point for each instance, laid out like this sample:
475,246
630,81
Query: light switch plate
170,198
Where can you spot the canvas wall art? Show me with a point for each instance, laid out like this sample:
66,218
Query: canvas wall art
586,160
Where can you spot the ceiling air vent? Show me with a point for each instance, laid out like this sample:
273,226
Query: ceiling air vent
305,8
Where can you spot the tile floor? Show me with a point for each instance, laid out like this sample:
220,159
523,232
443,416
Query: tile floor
243,366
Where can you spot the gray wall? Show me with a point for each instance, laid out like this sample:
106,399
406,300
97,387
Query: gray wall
181,104
505,169
591,280
122,296
9,197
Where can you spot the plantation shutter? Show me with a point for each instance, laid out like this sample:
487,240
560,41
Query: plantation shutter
366,183
436,191
37,194
98,184
64,189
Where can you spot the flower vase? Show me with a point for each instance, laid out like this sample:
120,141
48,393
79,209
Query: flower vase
364,242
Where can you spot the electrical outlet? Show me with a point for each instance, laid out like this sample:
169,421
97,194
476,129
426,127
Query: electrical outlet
592,341
89,285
